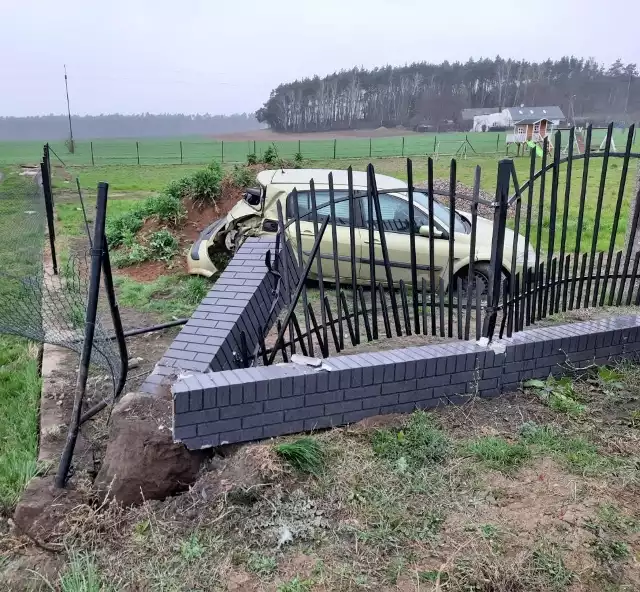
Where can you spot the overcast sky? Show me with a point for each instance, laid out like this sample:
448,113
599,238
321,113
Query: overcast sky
224,56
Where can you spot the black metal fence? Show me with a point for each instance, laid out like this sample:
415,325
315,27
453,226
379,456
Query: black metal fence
379,262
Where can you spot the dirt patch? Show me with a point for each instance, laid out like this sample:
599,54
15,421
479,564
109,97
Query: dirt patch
272,136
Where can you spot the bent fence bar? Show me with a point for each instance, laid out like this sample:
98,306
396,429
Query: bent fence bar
394,262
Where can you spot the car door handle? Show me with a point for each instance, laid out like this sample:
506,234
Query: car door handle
308,232
375,242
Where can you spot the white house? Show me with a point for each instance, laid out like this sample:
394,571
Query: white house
511,115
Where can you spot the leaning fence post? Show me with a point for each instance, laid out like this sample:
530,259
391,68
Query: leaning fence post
180,151
89,331
48,205
497,247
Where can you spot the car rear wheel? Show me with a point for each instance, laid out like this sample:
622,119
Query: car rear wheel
479,283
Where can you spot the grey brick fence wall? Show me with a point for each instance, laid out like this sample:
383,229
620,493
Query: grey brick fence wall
247,404
240,300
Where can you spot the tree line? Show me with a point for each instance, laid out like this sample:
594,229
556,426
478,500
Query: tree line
56,127
424,93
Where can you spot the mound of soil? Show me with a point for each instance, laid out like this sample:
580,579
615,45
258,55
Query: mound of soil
198,218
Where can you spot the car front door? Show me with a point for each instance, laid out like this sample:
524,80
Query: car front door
308,234
395,223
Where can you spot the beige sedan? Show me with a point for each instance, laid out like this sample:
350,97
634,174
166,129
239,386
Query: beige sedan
256,215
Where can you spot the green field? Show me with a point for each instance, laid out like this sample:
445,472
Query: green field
201,150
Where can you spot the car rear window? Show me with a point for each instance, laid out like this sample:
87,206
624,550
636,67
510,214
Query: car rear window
322,203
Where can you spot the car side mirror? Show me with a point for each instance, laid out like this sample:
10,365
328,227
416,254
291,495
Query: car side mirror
424,231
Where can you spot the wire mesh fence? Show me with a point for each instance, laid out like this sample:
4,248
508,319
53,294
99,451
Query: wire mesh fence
150,151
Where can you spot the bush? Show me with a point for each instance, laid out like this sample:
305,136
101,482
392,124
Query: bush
298,160
119,228
130,255
178,189
252,158
242,176
163,245
270,155
205,184
166,208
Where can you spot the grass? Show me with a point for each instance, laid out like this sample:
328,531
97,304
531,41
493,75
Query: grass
19,403
498,453
81,575
170,296
304,454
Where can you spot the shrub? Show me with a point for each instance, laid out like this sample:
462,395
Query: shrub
242,176
252,158
130,255
270,155
118,228
304,454
163,245
298,160
166,207
178,189
205,184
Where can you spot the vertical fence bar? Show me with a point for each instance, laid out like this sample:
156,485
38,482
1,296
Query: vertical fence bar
323,312
616,216
459,306
565,282
598,272
527,230
373,185
334,149
283,346
634,275
514,250
369,147
283,267
540,290
89,331
596,229
582,278
332,325
432,262
347,317
93,162
405,307
545,147
365,313
553,208
441,305
583,194
254,147
372,249
631,237
424,306
138,152
222,151
515,300
352,245
616,271
299,338
402,147
181,161
296,214
472,249
412,244
299,147
551,286
479,322
497,247
452,226
336,258
565,217
385,311
528,284
48,206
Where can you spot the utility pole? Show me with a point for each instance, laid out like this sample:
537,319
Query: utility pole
66,86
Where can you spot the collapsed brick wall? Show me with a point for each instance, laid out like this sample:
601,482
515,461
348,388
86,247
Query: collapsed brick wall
248,404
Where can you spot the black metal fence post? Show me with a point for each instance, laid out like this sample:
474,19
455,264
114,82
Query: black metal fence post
497,247
48,205
89,331
138,152
93,162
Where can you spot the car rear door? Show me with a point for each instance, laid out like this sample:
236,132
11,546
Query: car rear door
308,235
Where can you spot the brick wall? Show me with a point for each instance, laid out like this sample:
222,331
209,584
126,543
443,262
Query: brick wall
240,300
248,404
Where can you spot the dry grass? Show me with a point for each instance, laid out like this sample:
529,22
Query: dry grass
422,502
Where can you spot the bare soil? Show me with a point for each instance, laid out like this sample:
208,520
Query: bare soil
272,136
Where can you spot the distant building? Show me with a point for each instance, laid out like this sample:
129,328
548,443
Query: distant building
485,122
491,121
467,115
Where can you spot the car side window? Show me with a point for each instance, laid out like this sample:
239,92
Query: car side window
322,203
395,214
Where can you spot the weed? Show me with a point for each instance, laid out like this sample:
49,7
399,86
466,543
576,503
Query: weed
77,316
304,454
19,398
166,208
296,585
163,245
609,551
204,185
191,548
119,227
433,576
243,176
130,255
546,561
270,155
419,443
611,518
194,289
81,575
489,531
298,160
498,453
557,394
634,417
252,159
261,564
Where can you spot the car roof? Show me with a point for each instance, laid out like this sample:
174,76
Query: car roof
300,178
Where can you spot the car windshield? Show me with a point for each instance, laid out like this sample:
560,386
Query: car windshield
441,212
